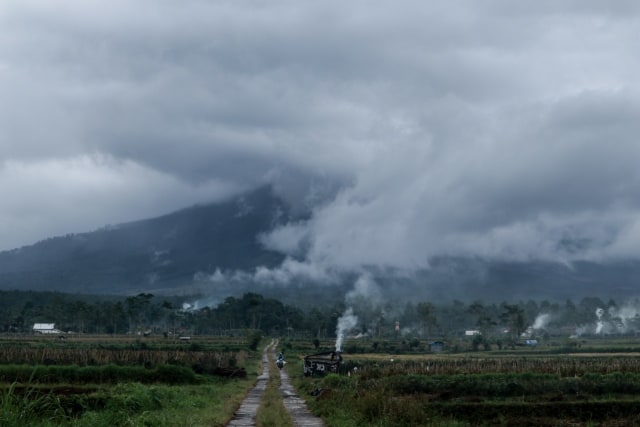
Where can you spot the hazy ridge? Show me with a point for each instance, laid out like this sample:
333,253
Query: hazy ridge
162,252
165,255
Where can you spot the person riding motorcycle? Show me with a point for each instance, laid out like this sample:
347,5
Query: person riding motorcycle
280,361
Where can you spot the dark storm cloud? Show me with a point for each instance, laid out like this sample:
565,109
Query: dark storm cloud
494,129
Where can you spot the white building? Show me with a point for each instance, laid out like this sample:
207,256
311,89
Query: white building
45,328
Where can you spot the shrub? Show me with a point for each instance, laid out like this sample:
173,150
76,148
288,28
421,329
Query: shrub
28,406
335,381
171,374
133,398
254,340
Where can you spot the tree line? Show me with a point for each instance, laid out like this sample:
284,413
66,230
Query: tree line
146,313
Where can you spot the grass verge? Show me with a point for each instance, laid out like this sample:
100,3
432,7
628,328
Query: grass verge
129,404
171,400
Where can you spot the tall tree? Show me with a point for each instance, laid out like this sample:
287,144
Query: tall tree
426,313
513,316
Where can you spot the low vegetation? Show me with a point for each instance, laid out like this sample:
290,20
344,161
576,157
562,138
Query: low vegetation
187,391
128,404
176,367
507,388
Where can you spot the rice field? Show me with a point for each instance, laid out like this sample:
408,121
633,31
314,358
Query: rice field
512,387
102,380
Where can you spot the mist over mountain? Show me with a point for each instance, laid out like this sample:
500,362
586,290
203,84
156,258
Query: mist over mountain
466,150
153,254
495,280
219,249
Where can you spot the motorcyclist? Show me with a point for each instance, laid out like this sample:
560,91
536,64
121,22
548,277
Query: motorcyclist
280,361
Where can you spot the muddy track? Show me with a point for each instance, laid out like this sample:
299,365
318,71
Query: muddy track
296,406
246,413
248,410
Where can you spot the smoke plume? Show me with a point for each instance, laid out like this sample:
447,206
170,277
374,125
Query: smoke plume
541,321
346,322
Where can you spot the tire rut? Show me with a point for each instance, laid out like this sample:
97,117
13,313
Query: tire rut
248,410
295,405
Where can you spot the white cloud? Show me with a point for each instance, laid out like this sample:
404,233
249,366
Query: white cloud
87,192
494,129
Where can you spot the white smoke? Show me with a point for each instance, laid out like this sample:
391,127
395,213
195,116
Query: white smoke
542,320
200,304
626,318
599,322
365,294
616,320
346,322
598,328
365,290
292,271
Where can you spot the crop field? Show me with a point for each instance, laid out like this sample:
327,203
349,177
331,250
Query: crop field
597,384
123,381
132,381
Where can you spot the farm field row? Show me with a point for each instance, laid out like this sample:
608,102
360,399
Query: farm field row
100,381
512,387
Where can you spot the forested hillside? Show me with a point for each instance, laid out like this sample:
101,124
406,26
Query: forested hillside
163,252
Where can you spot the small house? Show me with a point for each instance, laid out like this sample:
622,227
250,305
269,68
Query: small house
45,328
436,347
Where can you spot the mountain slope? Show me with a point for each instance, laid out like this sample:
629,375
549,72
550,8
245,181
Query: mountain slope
163,252
162,255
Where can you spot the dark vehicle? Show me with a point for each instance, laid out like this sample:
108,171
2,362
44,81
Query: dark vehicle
322,363
280,361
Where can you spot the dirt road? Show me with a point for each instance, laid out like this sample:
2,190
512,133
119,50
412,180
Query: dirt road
247,412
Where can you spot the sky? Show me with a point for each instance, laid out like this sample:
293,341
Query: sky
411,130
